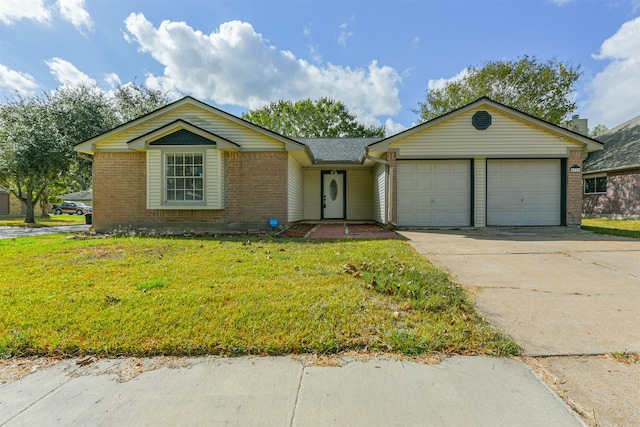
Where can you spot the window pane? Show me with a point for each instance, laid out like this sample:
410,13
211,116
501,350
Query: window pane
171,195
197,159
198,195
170,159
197,171
179,195
179,171
188,159
589,185
171,184
179,159
601,185
199,184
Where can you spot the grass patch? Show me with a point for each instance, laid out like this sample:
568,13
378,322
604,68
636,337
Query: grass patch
616,227
151,285
231,297
52,221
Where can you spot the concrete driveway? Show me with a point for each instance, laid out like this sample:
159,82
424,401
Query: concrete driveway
557,291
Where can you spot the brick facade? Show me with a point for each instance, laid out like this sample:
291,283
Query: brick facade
574,189
622,199
255,190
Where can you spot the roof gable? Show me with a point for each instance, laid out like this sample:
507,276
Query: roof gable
486,104
244,134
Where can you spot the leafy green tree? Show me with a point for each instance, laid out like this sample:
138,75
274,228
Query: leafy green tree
37,135
33,154
132,101
324,118
541,89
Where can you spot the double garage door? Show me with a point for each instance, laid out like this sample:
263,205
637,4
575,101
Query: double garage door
519,192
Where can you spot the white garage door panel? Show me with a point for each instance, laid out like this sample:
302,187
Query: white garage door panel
433,193
523,192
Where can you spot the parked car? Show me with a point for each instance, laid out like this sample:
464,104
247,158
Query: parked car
71,208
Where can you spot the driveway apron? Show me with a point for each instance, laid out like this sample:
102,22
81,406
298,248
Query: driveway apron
569,297
556,290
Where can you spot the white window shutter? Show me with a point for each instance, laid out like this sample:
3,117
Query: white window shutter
154,179
214,179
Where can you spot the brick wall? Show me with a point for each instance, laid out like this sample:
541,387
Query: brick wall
574,189
622,199
255,190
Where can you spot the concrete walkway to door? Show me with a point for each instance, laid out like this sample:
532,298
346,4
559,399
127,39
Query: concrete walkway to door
558,291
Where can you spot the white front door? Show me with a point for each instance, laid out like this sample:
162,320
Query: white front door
333,195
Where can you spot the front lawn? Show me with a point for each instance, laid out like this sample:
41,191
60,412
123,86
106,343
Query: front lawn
175,296
52,221
625,228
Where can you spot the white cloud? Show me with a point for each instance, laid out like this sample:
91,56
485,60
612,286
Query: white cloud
344,34
75,12
235,66
614,91
67,73
441,83
16,80
12,11
393,128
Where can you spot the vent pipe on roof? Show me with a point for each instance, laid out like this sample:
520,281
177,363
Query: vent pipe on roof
580,126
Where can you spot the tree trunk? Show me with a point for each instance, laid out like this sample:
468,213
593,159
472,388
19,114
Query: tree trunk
30,203
44,205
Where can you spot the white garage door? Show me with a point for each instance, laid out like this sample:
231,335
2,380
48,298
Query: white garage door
434,193
523,192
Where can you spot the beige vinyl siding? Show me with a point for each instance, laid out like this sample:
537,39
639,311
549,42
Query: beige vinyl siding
312,194
360,195
507,137
247,138
480,194
295,191
214,181
154,179
379,194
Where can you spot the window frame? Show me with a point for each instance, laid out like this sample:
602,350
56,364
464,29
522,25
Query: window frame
596,181
174,150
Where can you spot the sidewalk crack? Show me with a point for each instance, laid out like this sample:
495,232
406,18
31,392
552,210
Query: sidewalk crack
295,404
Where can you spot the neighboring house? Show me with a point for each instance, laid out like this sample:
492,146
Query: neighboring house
11,205
612,176
5,205
191,166
79,196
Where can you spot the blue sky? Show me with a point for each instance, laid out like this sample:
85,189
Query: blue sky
378,57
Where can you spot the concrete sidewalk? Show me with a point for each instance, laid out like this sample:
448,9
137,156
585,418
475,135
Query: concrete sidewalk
283,391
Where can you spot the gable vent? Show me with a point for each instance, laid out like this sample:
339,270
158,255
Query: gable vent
481,120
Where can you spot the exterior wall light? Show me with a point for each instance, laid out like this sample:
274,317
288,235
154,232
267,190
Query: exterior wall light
575,168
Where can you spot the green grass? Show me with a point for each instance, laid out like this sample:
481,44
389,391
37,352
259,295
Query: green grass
625,228
151,296
54,220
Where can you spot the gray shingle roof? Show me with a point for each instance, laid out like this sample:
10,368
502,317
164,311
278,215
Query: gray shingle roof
621,149
338,150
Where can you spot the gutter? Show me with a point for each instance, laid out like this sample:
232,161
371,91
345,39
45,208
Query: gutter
390,168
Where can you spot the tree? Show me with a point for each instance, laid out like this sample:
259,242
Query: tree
133,101
324,118
37,135
32,152
538,88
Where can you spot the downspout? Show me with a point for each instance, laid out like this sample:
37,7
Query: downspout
389,166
